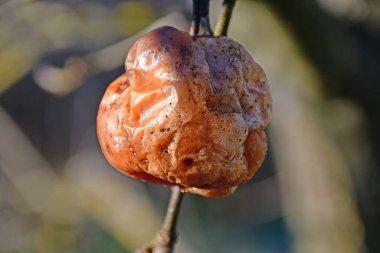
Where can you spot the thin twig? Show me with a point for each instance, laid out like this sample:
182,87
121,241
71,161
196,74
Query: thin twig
224,18
167,236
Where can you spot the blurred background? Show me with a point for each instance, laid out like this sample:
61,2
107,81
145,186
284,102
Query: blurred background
319,188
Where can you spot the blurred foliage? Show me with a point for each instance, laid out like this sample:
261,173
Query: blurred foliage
15,61
133,16
29,30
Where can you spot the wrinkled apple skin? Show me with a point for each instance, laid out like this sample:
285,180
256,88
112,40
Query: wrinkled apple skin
189,110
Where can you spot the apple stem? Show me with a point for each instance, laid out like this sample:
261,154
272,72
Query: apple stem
196,18
200,17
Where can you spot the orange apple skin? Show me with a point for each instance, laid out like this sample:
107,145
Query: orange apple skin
188,111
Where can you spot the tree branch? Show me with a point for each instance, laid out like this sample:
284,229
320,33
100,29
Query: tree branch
166,237
224,18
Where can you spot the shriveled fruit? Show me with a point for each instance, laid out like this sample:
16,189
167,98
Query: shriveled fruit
189,110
